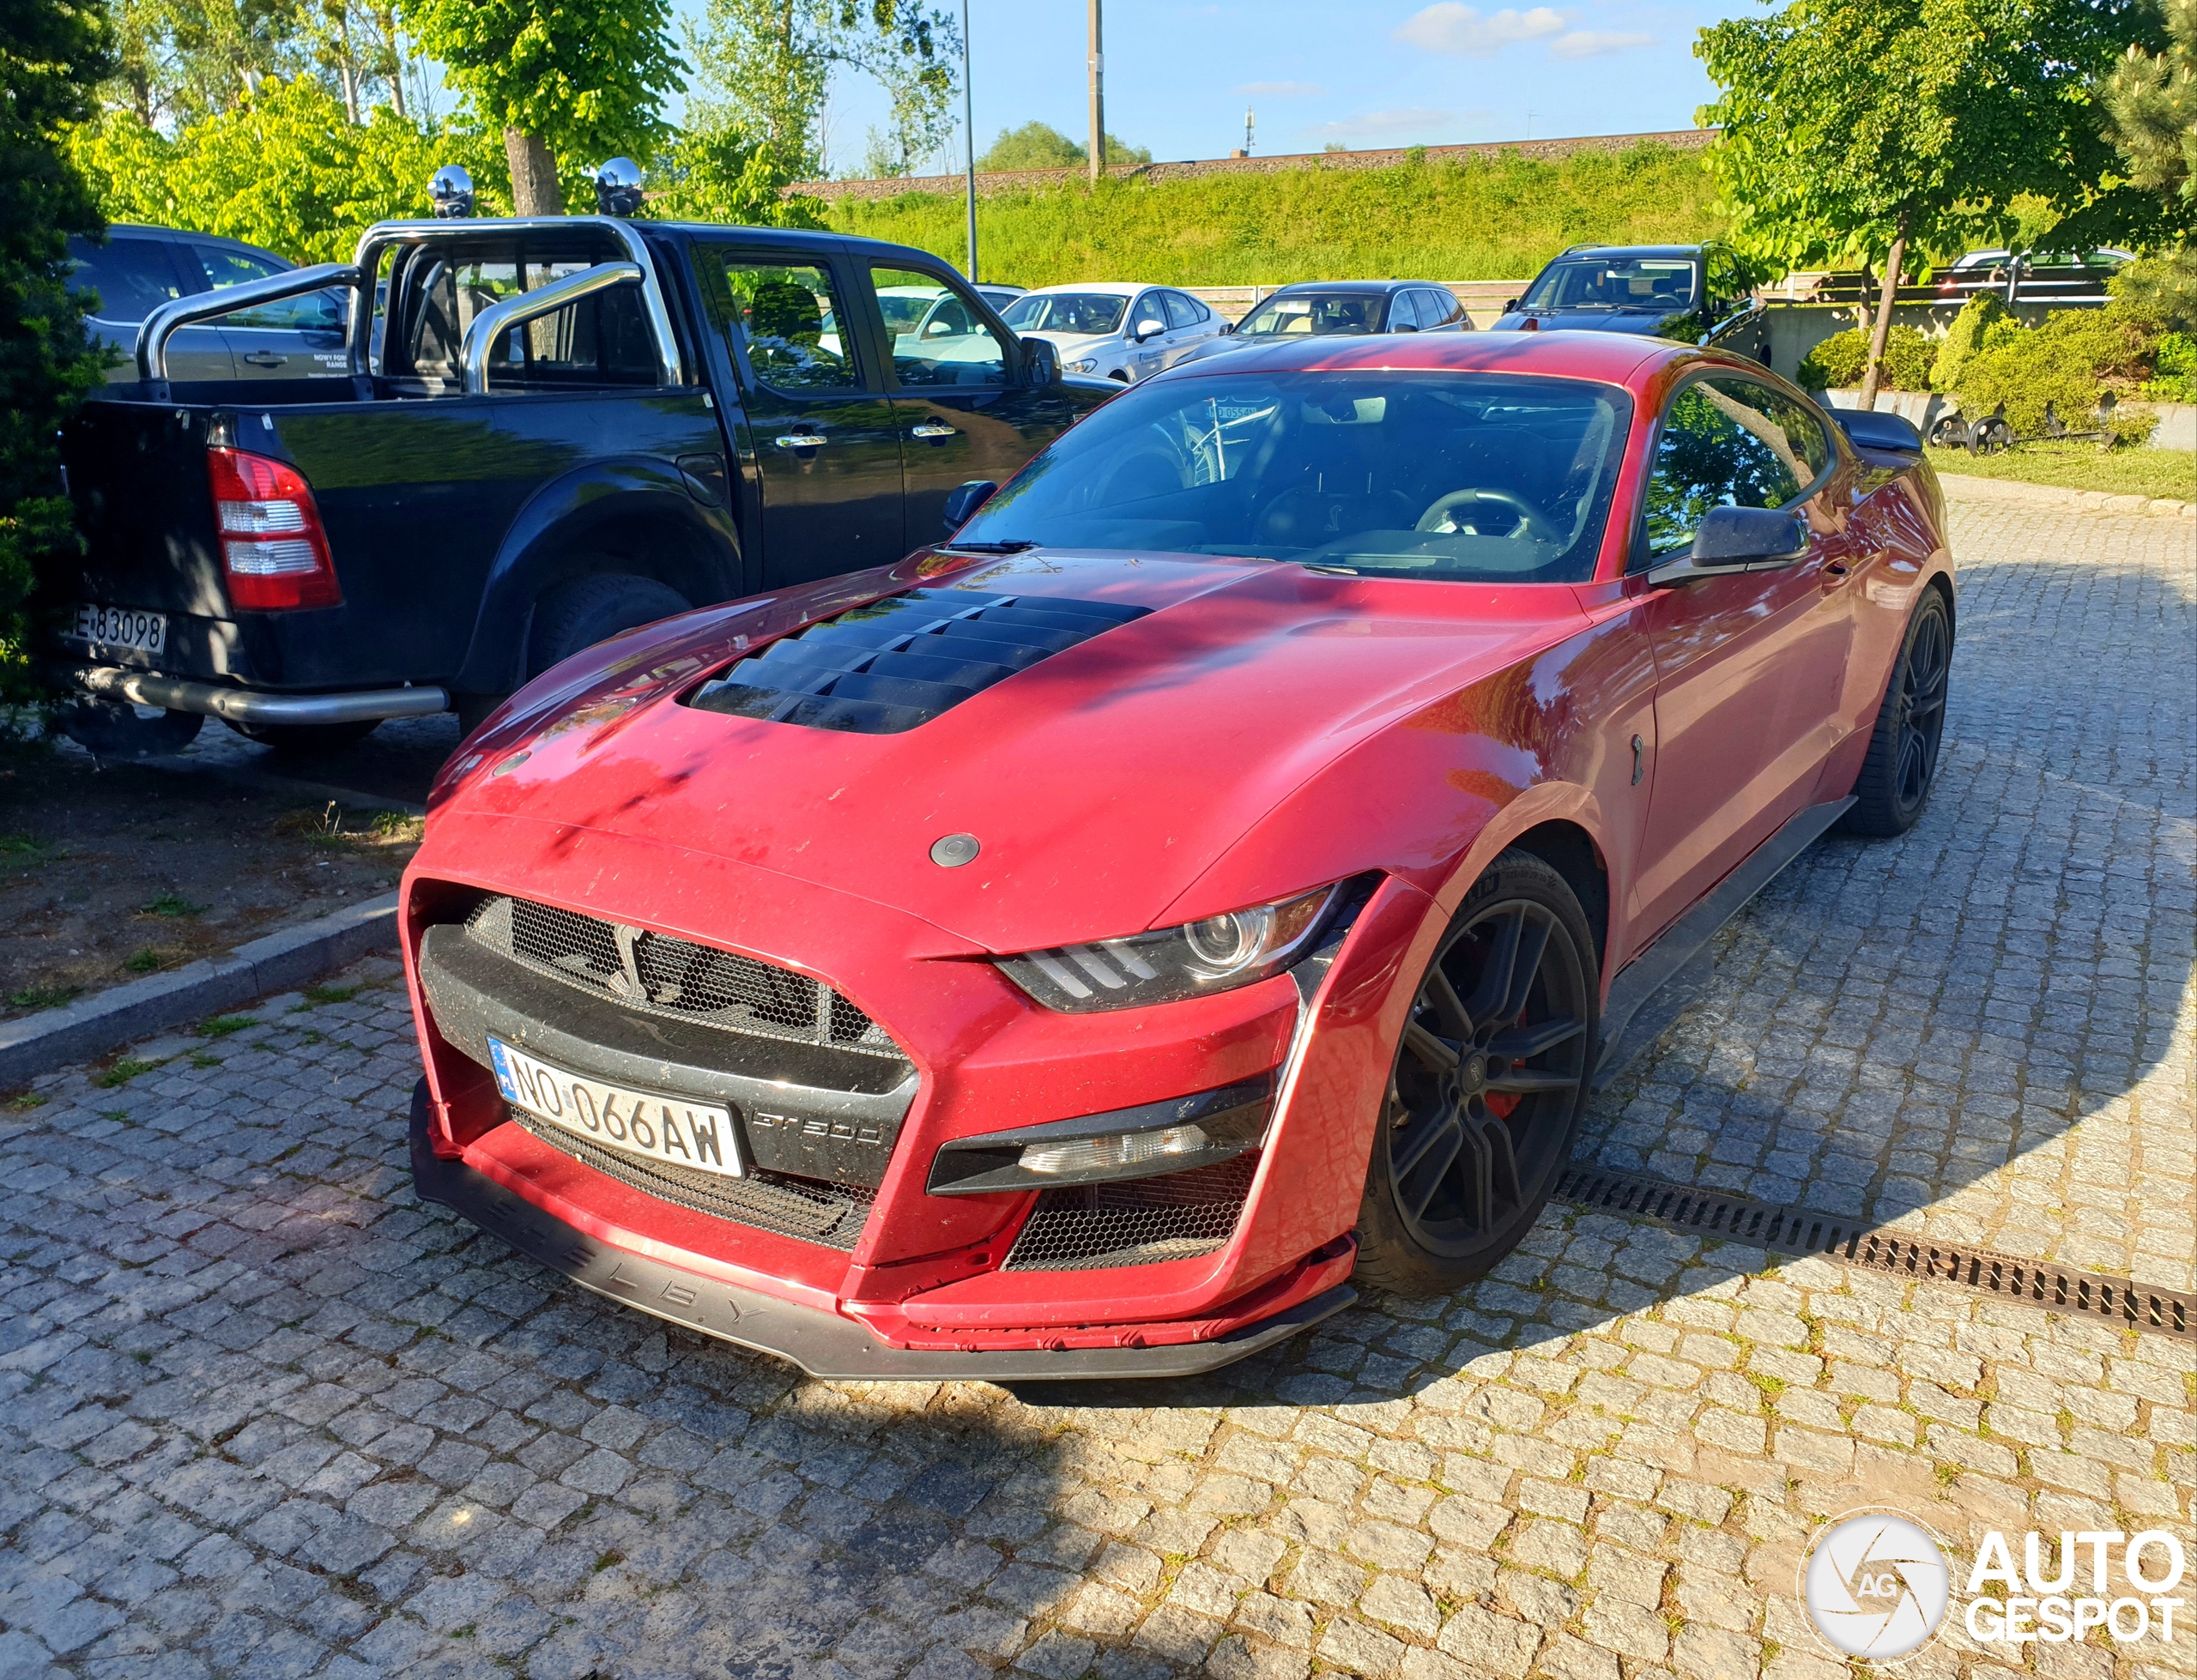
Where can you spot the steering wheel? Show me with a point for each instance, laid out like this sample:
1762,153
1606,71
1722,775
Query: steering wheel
1527,520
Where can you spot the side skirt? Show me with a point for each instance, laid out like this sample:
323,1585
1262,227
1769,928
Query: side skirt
1654,969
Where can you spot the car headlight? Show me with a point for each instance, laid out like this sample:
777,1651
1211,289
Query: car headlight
1215,954
1083,364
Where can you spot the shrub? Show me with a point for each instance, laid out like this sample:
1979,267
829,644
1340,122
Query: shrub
1965,337
2069,359
2174,369
1840,360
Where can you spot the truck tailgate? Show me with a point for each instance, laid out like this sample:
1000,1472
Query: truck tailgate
137,473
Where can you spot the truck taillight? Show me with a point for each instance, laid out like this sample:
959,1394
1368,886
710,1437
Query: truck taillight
273,548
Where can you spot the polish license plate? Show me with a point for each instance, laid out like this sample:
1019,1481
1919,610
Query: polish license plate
122,627
669,1130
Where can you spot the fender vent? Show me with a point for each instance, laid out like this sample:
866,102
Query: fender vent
1794,1231
879,669
1136,1222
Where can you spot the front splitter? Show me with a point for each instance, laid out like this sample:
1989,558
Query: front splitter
824,1344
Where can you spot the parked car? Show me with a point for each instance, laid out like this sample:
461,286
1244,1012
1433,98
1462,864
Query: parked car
1318,309
137,269
1219,869
1119,332
551,431
2048,276
1689,293
999,297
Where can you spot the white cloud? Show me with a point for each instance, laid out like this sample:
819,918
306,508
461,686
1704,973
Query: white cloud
1284,90
1417,123
1594,43
1451,27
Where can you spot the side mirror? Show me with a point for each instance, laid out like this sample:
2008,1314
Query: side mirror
963,499
1043,366
1867,429
1404,327
1736,538
1510,304
1228,326
1149,329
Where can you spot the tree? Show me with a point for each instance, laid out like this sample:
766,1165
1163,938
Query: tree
53,54
2150,101
763,67
719,174
576,80
1040,146
1871,131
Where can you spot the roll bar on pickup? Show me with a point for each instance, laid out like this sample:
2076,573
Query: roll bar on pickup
359,275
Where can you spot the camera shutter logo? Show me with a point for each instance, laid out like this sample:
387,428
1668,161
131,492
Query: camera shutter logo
1876,1586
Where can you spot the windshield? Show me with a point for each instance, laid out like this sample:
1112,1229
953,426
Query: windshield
1312,312
1478,477
1080,312
1661,283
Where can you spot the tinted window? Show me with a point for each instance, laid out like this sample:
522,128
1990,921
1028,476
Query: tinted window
786,317
1437,309
1402,313
1183,311
133,277
1614,282
1291,313
320,311
946,344
1727,441
1082,312
1487,477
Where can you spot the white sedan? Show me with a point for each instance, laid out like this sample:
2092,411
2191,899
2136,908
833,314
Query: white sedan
1116,330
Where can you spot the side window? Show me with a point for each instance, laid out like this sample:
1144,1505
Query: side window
451,292
1149,310
787,317
1183,311
1727,441
1403,311
938,339
1438,308
600,341
133,277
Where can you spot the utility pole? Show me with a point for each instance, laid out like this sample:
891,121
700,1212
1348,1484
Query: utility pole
969,122
1250,125
1098,65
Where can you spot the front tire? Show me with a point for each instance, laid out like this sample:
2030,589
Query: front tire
306,739
575,616
115,730
1488,1085
1895,781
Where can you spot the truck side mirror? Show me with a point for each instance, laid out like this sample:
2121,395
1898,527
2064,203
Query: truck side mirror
1043,366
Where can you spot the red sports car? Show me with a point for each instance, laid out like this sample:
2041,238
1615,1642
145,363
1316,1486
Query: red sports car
1215,873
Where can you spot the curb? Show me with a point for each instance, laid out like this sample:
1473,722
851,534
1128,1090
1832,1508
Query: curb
279,962
1959,487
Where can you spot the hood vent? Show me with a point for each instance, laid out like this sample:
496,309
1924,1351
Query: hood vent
879,669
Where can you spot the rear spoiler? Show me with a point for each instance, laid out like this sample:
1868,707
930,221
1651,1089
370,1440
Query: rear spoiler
359,276
1893,435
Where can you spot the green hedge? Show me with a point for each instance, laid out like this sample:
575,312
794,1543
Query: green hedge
2069,360
1838,363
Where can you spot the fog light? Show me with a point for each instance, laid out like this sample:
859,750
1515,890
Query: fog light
1119,1149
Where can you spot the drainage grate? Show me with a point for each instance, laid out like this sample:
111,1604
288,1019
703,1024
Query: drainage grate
1797,1230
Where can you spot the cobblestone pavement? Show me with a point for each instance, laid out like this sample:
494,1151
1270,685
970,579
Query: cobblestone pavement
266,1415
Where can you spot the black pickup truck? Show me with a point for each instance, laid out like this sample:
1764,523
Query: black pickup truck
547,430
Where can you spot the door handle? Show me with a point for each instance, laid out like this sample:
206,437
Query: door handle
937,431
1835,573
802,440
265,358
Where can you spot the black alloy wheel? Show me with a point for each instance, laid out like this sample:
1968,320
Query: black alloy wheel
1488,1085
1896,777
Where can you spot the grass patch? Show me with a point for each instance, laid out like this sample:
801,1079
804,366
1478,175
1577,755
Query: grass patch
333,827
1475,218
220,1026
2123,472
200,1059
149,959
123,1072
25,1102
332,994
608,1560
21,847
172,905
42,996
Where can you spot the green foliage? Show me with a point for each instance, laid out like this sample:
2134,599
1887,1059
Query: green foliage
2174,369
1841,360
1038,145
1977,316
1481,218
2164,285
283,169
720,175
2150,108
587,77
52,54
2069,360
2081,465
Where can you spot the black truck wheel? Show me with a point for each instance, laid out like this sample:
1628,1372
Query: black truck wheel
116,730
306,739
577,615
1489,1084
1894,784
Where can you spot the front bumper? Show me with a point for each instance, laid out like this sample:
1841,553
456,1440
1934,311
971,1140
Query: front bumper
244,705
823,1344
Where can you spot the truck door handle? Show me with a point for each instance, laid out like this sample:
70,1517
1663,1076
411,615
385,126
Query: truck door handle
802,440
937,430
265,358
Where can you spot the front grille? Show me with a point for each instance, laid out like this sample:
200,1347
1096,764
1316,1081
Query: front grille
1138,1222
831,1214
668,976
878,669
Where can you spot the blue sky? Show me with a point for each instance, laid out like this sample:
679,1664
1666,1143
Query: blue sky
1361,72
